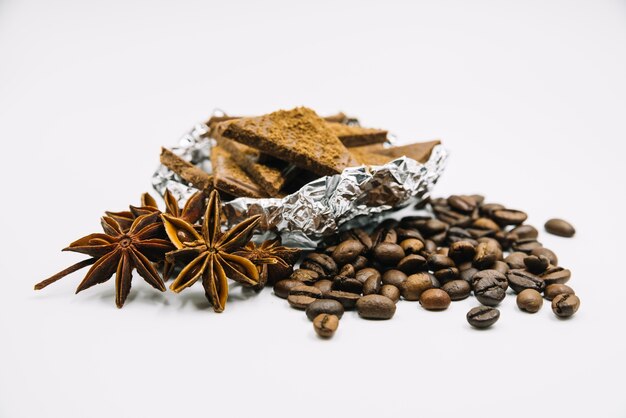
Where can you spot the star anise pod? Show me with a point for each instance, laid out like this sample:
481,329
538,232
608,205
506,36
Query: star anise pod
211,253
119,252
273,261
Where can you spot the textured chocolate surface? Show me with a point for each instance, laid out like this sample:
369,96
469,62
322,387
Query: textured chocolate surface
419,151
355,136
187,171
230,178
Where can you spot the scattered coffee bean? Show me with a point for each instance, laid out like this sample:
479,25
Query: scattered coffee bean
486,254
546,252
305,276
376,307
347,284
360,263
372,285
283,287
501,267
412,245
560,227
525,231
412,263
520,280
347,251
324,306
554,290
394,277
556,275
325,325
465,204
302,296
488,290
388,254
435,299
439,261
324,285
347,299
364,274
323,264
526,245
515,260
447,274
509,216
565,305
483,316
414,285
493,275
529,300
462,251
486,224
390,291
536,264
457,289
468,274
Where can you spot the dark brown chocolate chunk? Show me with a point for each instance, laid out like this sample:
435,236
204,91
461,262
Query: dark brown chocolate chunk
230,178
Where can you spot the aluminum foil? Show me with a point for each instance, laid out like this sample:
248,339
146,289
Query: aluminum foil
322,206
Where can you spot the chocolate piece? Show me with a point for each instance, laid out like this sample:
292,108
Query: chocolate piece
299,136
187,171
369,158
419,151
354,136
230,178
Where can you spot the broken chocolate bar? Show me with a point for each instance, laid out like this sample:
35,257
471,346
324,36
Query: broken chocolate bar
230,178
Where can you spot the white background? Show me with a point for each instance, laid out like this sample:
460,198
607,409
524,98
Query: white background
529,97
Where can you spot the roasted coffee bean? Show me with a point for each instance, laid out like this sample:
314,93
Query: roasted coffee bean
408,233
433,280
305,276
509,216
321,263
442,251
364,274
447,215
491,274
458,234
488,290
556,275
325,325
388,254
372,285
480,233
546,252
486,224
390,291
521,279
553,290
415,285
434,299
376,307
363,237
460,251
493,244
565,305
501,266
324,285
560,227
394,277
440,261
433,227
468,274
412,245
505,239
482,316
328,250
439,239
347,271
526,245
283,287
486,254
478,198
347,284
465,204
525,231
529,300
302,296
391,236
536,265
487,209
412,263
360,263
516,260
347,251
413,222
465,265
429,247
324,306
447,274
347,299
457,289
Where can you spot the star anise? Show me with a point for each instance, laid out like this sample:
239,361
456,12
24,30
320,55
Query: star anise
211,253
274,262
119,252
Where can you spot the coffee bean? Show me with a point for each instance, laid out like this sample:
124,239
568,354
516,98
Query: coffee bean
554,290
482,316
363,237
442,251
536,265
480,233
463,204
376,307
516,260
529,300
364,274
321,263
450,217
486,224
439,261
468,274
324,285
509,217
461,251
565,305
412,263
434,300
560,227
525,231
412,245
505,239
520,280
283,287
305,276
549,254
501,267
408,233
325,325
486,254
429,247
526,245
493,275
447,274
487,209
390,291
347,270
457,289
394,277
488,290
347,284
556,275
324,306
360,263
388,254
347,299
347,251
459,234
372,285
433,227
415,285
302,296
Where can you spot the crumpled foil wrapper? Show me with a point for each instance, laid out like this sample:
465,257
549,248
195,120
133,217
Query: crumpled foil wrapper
321,207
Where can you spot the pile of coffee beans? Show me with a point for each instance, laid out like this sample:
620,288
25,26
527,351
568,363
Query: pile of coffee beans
457,246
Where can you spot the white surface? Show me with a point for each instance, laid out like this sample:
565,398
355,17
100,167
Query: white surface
530,97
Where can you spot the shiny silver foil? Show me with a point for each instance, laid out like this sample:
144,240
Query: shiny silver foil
322,206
